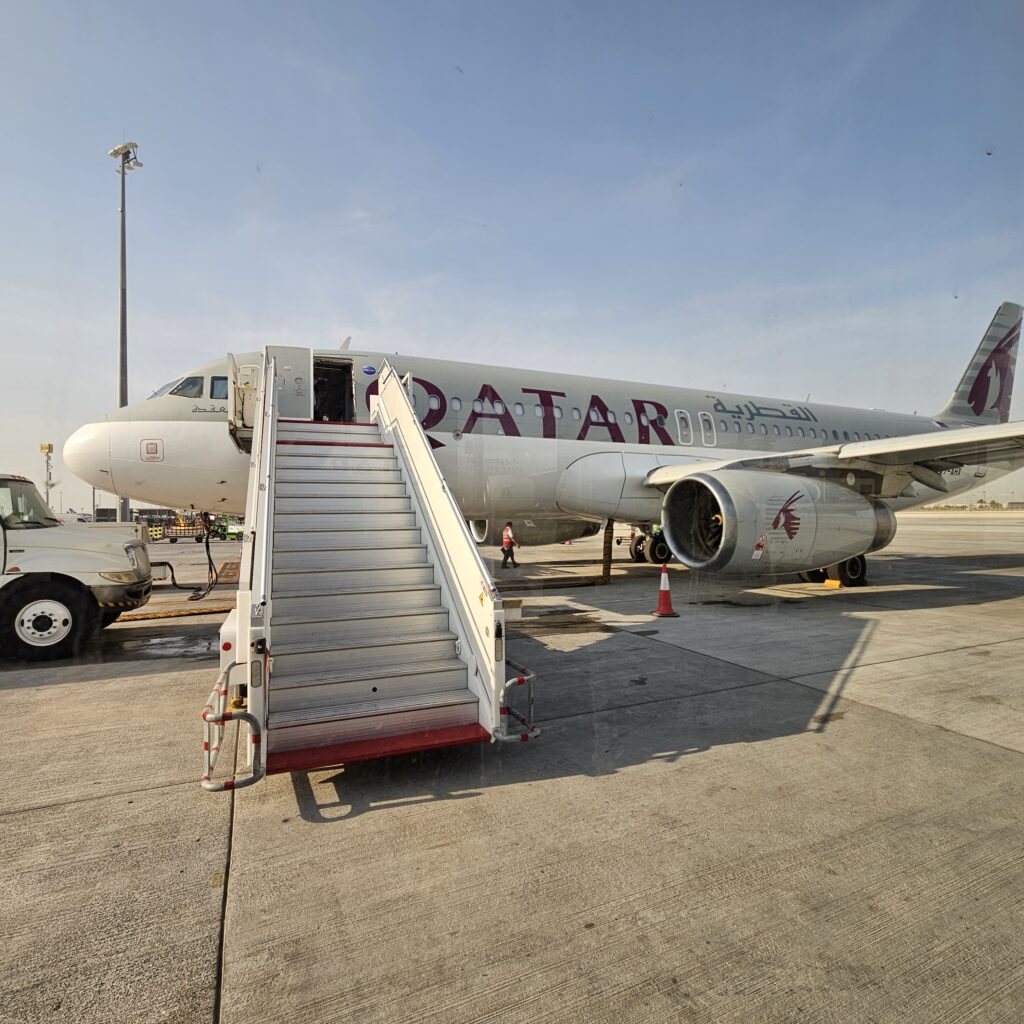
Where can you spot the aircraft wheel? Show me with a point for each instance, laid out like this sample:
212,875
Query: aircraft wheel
636,548
852,572
657,550
46,620
814,576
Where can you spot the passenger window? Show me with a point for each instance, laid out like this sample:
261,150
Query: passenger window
628,417
644,421
775,430
683,425
478,406
219,388
434,402
519,408
190,387
764,428
800,431
499,408
789,431
538,411
846,435
456,404
611,416
594,416
723,424
558,412
750,428
835,435
576,414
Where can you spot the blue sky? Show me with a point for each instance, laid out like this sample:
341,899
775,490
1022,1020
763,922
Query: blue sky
790,198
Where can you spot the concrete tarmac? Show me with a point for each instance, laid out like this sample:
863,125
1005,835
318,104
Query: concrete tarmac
788,804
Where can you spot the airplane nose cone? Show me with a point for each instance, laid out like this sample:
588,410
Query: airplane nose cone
87,455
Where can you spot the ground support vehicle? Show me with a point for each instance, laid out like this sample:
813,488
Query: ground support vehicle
60,584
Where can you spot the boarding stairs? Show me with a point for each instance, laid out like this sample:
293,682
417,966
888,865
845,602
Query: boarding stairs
366,622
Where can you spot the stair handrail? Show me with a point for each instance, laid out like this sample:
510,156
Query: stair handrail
259,526
476,602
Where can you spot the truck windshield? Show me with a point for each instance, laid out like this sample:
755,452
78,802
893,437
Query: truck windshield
21,507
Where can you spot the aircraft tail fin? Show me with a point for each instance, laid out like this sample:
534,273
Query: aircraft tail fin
984,392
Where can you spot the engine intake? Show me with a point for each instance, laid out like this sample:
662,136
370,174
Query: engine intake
747,522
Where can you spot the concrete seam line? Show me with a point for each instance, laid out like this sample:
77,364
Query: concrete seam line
218,977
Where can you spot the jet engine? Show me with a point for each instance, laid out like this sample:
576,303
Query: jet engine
532,531
747,522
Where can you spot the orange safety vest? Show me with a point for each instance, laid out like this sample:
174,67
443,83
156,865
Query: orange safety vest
507,540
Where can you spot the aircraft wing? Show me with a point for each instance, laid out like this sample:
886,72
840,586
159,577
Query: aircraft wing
891,462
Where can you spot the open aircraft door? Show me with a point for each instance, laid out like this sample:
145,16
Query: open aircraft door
294,381
242,385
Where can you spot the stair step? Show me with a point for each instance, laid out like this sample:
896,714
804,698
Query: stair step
289,521
306,759
315,690
338,487
294,659
341,431
324,448
328,458
325,476
359,627
345,581
331,505
323,606
370,720
336,540
398,556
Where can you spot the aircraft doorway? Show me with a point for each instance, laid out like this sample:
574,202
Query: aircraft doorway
333,392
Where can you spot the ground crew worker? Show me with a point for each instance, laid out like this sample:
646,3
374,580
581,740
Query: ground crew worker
508,546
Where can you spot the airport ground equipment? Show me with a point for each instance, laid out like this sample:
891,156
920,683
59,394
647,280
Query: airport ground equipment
366,622
60,583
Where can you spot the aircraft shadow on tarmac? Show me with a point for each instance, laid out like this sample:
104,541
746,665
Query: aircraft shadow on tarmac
609,697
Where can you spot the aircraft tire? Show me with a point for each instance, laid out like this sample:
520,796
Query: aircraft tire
46,620
851,572
657,551
636,548
814,576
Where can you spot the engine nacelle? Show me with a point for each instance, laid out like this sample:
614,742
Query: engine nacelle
533,531
748,522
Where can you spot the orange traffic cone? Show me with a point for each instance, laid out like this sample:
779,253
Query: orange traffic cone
664,609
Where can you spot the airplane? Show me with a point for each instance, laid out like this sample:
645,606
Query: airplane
726,483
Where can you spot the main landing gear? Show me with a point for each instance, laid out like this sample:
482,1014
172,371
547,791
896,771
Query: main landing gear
650,547
851,572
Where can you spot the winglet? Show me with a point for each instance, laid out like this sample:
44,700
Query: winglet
984,392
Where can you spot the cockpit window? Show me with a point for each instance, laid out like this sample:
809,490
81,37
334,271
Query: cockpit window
219,389
190,387
163,391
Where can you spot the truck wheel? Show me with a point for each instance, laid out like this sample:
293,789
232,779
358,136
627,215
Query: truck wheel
172,540
46,620
199,538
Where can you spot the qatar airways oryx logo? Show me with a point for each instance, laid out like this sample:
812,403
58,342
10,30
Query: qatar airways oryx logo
786,517
995,375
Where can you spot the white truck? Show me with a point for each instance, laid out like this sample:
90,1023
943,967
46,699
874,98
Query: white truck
60,584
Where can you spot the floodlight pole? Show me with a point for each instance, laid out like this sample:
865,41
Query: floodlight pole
129,160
